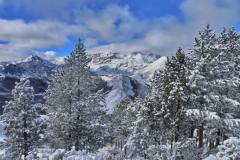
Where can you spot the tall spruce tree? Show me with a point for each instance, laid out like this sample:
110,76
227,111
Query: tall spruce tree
199,83
118,115
22,121
162,118
225,81
170,97
213,80
76,110
141,136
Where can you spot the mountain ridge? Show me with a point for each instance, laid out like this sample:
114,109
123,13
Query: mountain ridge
119,74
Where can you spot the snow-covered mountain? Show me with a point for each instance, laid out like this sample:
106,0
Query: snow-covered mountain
117,73
116,63
32,66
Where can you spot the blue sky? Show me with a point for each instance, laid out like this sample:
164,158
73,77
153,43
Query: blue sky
50,28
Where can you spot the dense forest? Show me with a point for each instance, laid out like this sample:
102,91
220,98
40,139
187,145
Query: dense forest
191,110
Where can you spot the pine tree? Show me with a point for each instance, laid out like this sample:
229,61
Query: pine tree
213,81
162,118
118,115
170,98
77,113
175,104
225,80
199,66
22,121
141,137
130,115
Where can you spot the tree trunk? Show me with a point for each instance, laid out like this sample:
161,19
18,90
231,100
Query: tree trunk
225,137
125,150
218,138
200,137
77,145
25,146
192,130
176,137
69,138
210,145
145,156
121,144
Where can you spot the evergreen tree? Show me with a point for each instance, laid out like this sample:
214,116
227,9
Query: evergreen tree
174,98
22,121
77,113
213,81
141,137
130,115
225,80
162,117
118,115
199,66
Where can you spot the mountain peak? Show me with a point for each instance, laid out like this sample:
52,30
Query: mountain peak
30,58
35,60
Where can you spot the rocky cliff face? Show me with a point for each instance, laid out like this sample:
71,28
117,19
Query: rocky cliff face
116,73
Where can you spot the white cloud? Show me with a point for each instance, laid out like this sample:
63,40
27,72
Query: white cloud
22,37
156,41
167,35
114,24
89,42
49,55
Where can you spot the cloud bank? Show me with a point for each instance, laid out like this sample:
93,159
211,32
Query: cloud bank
55,21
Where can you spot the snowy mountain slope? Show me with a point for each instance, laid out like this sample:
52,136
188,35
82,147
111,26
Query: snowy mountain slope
59,60
116,63
146,73
119,74
122,85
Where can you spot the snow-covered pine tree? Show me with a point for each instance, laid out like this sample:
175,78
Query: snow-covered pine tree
22,121
225,81
128,119
175,98
142,131
76,110
199,66
179,98
58,110
169,99
214,79
130,115
118,115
